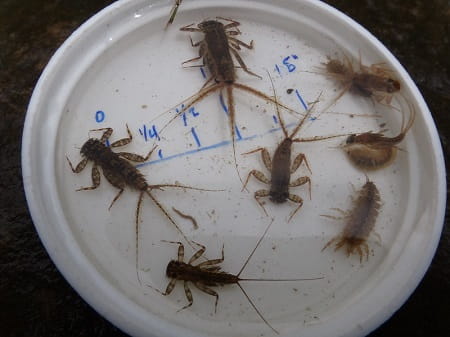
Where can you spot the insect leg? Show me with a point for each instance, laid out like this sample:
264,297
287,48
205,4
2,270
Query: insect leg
235,46
188,28
106,134
340,244
193,59
80,167
329,243
118,183
258,175
344,213
123,141
180,249
261,194
135,157
169,287
242,64
298,161
115,198
188,293
213,262
301,181
232,23
209,291
296,199
95,180
239,42
197,254
265,157
196,44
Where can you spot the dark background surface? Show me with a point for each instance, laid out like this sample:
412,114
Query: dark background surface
35,300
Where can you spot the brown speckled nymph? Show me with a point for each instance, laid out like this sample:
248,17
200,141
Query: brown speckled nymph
360,221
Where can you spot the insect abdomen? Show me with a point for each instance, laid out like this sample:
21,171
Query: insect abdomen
281,172
364,214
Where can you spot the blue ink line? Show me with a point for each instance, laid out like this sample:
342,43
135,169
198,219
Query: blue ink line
301,99
200,149
238,133
184,118
210,147
275,119
197,140
160,154
145,132
203,72
224,107
295,57
107,143
277,69
140,131
193,112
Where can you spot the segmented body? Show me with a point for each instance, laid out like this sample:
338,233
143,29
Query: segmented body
117,170
216,52
373,151
121,174
217,49
375,81
360,221
210,277
209,274
281,172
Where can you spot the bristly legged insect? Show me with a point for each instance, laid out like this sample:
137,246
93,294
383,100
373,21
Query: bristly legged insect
281,166
208,274
217,50
120,173
374,81
360,221
373,151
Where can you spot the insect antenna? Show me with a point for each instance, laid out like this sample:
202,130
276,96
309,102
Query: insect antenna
308,113
246,295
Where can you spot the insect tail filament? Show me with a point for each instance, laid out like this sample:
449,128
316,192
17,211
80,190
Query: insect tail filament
256,309
254,249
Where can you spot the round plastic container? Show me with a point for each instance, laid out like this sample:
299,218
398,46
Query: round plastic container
122,68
